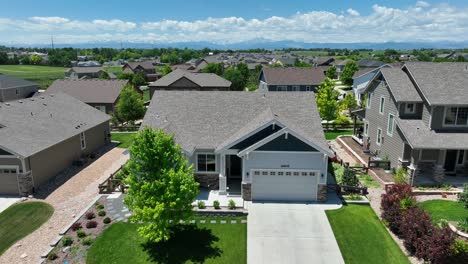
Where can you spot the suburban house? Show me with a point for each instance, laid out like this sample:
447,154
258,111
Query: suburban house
100,94
291,79
362,77
417,117
183,80
263,146
146,68
12,88
41,136
84,72
193,65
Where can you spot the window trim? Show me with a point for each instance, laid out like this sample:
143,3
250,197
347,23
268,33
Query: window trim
388,124
382,105
446,109
461,153
83,140
282,88
378,139
366,128
369,100
206,172
406,108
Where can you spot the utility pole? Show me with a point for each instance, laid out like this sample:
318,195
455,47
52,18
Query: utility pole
52,41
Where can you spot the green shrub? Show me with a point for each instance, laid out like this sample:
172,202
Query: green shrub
232,204
87,241
349,178
106,220
353,197
216,204
459,246
463,225
463,197
443,223
102,213
80,233
99,206
52,256
338,171
407,202
67,241
201,205
400,176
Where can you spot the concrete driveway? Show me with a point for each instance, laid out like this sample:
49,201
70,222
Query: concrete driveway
6,201
280,233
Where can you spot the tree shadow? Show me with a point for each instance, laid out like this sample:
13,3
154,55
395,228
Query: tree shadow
187,243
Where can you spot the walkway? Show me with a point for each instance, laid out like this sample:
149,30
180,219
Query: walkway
68,200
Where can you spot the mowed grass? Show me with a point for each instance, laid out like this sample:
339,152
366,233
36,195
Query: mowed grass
44,75
20,220
125,139
331,135
201,243
114,69
443,209
361,236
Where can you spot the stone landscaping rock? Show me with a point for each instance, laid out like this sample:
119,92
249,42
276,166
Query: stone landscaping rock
66,249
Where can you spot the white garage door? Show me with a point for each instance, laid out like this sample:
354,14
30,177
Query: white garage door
284,185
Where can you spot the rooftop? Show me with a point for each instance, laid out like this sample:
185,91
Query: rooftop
201,79
294,76
11,82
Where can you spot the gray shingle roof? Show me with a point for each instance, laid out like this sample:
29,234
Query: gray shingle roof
443,83
41,122
419,136
89,90
370,63
209,120
294,76
201,79
400,85
11,82
147,65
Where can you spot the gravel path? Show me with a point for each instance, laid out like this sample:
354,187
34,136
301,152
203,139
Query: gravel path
68,200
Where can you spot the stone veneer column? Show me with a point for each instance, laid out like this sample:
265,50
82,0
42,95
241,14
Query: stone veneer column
322,193
210,181
247,191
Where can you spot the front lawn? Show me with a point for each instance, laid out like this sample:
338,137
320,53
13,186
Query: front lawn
201,243
20,220
443,209
361,236
331,135
125,139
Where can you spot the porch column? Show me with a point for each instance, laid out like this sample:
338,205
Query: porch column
222,175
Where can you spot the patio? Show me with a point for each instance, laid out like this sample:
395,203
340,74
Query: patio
209,196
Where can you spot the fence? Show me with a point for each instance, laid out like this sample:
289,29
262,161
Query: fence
110,184
125,128
375,163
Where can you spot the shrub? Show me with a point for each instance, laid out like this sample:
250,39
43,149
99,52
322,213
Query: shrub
52,256
442,223
201,205
67,241
76,226
436,247
407,202
90,215
106,220
91,224
349,178
232,204
102,213
459,251
416,225
463,197
463,225
400,176
87,241
80,233
99,206
391,206
216,204
354,197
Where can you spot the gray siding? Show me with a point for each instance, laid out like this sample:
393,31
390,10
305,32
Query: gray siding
17,93
426,115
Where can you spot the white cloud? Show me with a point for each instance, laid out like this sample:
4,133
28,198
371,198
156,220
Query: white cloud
419,22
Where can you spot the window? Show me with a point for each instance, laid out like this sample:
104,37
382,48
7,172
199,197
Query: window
369,100
308,89
456,116
461,157
410,108
378,140
206,163
282,88
82,140
296,88
366,129
390,125
382,105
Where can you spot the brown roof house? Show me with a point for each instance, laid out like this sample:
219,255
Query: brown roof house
12,88
100,94
41,136
84,72
291,79
183,80
146,68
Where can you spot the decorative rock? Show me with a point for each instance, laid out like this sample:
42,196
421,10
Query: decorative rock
233,222
66,249
18,245
202,221
243,221
24,255
222,221
213,221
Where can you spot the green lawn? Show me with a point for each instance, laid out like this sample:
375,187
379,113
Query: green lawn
361,236
201,243
114,69
125,139
146,95
44,75
443,209
330,135
20,220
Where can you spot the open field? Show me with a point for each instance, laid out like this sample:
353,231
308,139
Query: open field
44,75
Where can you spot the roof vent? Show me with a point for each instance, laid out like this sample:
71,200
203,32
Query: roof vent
19,101
7,104
44,104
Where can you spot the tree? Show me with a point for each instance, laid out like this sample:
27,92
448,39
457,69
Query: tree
244,70
166,70
138,80
216,68
463,197
349,102
104,76
25,60
348,71
3,58
326,100
331,72
130,106
162,185
235,77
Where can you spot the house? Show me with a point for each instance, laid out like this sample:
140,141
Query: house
193,65
146,68
263,146
339,64
12,88
417,117
323,61
84,72
291,79
362,77
41,136
100,94
182,80
370,63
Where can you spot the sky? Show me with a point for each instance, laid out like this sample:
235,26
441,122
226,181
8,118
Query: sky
225,22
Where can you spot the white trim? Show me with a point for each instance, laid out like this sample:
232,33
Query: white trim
406,108
288,152
216,171
369,100
382,105
10,151
378,139
446,108
392,125
366,128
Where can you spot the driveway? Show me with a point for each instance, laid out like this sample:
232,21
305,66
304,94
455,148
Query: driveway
6,201
280,233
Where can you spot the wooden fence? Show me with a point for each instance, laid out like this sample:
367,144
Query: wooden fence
111,184
124,128
382,164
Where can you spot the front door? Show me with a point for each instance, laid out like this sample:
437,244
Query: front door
450,160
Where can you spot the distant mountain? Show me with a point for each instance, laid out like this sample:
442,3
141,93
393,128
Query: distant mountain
266,44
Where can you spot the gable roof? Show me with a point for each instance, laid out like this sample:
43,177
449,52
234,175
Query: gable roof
212,120
7,82
294,76
400,85
85,70
89,91
201,79
147,65
444,83
37,123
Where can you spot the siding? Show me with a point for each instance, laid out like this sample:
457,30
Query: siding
23,92
426,115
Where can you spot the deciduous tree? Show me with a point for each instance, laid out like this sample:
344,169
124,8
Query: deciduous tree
166,70
130,106
349,69
331,72
235,77
326,100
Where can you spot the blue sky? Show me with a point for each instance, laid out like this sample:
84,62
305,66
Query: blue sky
220,21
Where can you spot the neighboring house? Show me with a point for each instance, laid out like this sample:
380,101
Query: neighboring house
263,146
182,80
100,94
12,88
42,136
286,61
323,61
339,64
369,63
146,68
193,65
84,72
417,116
362,77
291,79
